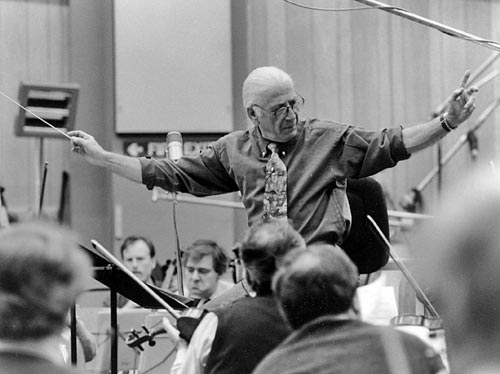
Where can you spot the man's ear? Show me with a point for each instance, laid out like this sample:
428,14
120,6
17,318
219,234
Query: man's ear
251,114
248,277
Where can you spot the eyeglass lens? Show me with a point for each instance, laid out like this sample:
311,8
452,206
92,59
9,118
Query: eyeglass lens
294,104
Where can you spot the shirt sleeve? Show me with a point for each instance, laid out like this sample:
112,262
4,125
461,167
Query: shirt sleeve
367,152
202,174
192,358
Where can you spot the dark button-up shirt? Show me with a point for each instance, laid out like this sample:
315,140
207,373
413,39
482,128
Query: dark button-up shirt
318,161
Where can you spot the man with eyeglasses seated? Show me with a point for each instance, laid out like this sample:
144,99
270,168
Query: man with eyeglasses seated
235,337
319,156
204,262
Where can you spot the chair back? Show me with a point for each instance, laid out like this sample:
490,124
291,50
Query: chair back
366,197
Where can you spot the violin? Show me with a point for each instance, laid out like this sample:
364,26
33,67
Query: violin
134,340
186,324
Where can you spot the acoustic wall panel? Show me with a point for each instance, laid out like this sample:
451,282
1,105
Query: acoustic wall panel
173,66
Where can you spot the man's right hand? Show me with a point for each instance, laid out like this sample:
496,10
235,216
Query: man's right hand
86,146
173,333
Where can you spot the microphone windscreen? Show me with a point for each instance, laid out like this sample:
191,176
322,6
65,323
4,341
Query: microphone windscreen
174,145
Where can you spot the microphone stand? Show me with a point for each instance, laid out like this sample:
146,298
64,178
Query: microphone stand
455,148
174,152
414,198
180,279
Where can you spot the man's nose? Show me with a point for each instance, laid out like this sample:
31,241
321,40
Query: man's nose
290,113
195,275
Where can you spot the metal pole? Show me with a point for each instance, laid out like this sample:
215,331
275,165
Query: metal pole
433,24
420,293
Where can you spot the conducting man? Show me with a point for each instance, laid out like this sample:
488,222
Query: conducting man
318,156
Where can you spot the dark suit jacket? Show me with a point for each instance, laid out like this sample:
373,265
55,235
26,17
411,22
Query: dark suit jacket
22,363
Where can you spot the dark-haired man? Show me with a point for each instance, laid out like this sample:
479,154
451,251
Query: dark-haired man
34,304
234,338
316,292
139,256
205,262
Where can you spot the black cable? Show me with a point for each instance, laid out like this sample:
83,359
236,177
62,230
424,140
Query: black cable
484,42
341,9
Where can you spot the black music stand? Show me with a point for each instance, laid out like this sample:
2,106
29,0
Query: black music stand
109,274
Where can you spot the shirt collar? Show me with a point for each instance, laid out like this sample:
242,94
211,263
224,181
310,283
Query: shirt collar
262,143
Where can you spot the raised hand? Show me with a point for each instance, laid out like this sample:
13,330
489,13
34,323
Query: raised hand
461,104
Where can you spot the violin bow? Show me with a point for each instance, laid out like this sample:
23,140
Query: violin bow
420,293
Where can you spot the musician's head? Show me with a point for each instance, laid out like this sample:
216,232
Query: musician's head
42,271
139,256
461,253
204,262
262,251
271,102
317,282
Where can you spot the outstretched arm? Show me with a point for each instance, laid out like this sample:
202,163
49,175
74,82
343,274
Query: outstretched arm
460,107
86,146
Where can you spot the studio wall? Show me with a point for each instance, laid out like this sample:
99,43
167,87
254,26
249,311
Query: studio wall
365,67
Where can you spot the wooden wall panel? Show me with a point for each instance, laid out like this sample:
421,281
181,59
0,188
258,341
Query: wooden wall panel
375,69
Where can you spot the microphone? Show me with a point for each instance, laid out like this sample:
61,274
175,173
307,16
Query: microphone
174,145
473,144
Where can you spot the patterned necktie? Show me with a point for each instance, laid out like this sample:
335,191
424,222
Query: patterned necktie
275,186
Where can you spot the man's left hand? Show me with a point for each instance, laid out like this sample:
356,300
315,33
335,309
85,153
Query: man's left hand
461,104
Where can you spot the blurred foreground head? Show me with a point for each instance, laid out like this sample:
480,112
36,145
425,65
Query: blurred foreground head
263,249
317,282
461,249
42,271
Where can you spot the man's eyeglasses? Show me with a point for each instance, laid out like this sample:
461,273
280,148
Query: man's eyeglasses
281,110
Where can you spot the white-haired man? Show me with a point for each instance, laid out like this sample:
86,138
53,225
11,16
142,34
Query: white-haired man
318,155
